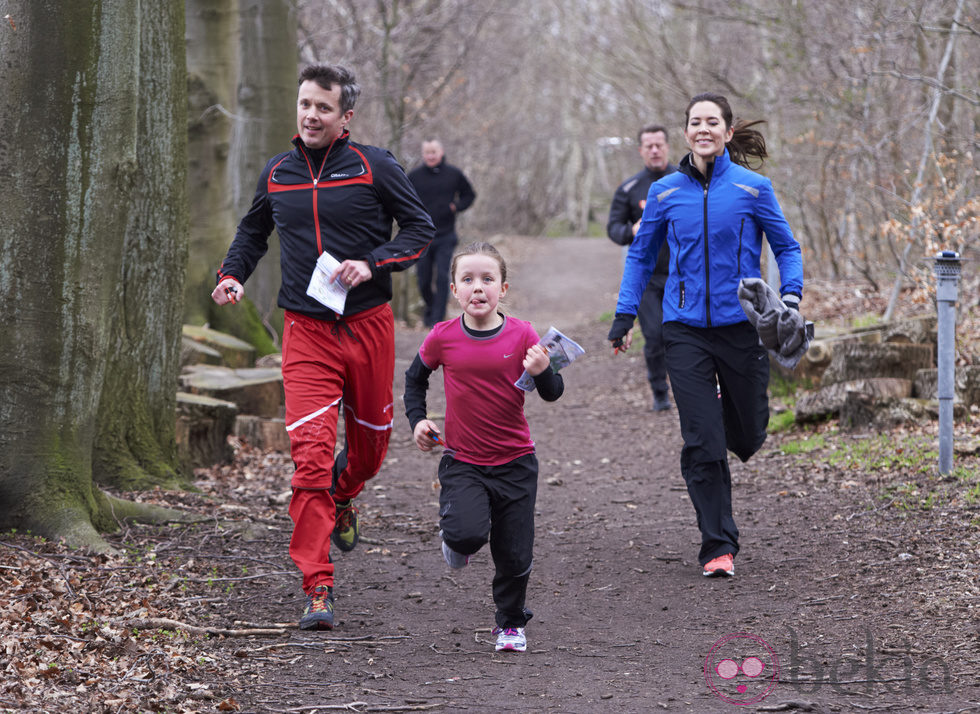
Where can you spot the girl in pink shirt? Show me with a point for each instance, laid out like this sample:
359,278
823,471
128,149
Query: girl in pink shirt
488,471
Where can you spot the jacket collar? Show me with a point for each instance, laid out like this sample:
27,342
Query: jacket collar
438,167
720,165
338,143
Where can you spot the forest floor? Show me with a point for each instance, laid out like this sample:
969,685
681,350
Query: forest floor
857,584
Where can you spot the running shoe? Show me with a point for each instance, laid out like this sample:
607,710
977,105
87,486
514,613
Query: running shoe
453,559
347,529
510,639
722,565
318,614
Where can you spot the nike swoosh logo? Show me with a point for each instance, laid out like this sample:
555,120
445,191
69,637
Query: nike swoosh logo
510,355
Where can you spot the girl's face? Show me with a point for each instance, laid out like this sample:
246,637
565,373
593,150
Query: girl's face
478,288
706,132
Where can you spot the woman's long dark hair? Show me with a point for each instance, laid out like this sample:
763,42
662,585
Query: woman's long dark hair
747,145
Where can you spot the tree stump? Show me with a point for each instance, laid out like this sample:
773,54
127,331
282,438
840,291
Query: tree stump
265,434
966,384
194,352
203,427
828,401
860,361
257,390
234,352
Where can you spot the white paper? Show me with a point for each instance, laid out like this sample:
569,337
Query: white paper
332,294
561,350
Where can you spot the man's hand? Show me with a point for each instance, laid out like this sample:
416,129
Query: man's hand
352,273
229,290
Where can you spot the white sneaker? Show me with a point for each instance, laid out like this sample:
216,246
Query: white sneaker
453,559
510,639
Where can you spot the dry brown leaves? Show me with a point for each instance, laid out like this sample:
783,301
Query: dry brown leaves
134,631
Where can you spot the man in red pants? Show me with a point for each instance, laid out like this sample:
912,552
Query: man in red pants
331,195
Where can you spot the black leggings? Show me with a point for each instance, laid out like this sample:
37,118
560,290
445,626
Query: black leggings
478,504
699,360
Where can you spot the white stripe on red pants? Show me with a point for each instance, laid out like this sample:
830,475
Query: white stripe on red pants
325,364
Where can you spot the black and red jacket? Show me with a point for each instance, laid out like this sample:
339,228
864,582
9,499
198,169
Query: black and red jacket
341,200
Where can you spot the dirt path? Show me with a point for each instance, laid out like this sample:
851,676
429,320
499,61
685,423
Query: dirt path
623,620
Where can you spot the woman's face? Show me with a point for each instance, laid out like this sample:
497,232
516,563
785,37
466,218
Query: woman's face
706,133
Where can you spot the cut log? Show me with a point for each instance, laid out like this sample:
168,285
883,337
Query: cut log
256,390
860,361
828,401
194,352
966,384
234,352
915,330
203,427
864,411
264,434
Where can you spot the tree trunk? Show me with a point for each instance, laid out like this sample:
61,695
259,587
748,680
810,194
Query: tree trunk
265,121
212,71
92,155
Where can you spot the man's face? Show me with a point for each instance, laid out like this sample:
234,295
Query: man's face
318,116
654,150
431,153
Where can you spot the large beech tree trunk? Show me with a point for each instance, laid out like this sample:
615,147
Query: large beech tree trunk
265,122
241,59
92,157
212,71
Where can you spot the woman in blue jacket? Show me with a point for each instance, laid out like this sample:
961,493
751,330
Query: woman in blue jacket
712,212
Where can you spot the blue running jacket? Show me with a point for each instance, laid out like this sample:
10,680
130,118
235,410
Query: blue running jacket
715,231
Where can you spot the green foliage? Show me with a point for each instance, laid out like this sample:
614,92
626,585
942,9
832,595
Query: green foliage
867,320
781,422
884,453
244,322
785,388
804,446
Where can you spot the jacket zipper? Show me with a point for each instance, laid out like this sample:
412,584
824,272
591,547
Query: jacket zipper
316,181
707,273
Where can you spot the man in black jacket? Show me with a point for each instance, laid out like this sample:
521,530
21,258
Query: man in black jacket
445,192
624,221
331,198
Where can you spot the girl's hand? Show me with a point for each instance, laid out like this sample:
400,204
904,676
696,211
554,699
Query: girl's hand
427,435
536,361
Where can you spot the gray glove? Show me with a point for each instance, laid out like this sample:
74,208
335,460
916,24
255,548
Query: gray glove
762,307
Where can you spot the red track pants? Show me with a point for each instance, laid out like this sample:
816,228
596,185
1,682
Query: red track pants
326,365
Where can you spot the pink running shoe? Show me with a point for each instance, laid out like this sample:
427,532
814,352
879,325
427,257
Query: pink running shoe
722,565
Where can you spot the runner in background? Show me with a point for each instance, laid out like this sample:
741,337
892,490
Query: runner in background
624,221
446,192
